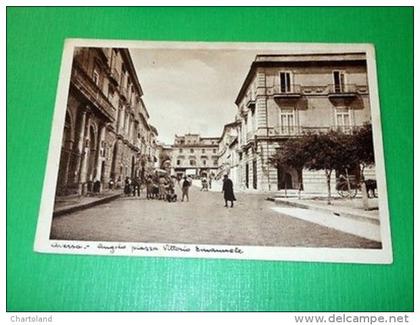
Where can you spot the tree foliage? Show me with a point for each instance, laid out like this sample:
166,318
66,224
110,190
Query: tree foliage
328,151
363,146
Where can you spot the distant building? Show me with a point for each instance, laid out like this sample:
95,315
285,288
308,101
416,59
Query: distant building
228,156
194,155
285,95
106,132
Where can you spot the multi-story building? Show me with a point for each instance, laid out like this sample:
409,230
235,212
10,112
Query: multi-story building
152,148
286,95
227,162
194,155
106,123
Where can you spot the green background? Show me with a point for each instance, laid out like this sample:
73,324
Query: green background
43,282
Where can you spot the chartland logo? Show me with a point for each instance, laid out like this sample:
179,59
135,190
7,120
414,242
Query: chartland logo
31,319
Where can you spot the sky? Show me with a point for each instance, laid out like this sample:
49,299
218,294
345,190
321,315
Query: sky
191,91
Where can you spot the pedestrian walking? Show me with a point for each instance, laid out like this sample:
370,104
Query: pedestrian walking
127,186
228,191
185,188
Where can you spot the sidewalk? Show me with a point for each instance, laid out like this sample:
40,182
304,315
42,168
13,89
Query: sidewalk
69,204
348,208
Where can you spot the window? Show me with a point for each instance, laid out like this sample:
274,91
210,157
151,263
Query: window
214,150
285,85
192,150
204,162
178,162
203,150
338,81
342,117
287,121
180,150
215,162
96,76
110,91
192,162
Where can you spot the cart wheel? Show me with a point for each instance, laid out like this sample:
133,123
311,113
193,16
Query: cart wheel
343,193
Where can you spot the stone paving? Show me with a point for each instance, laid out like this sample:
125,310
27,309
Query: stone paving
203,220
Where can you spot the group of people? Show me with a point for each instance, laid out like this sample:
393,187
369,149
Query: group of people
162,187
132,186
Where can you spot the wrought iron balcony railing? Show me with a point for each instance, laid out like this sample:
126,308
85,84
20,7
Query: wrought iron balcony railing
342,89
287,130
290,90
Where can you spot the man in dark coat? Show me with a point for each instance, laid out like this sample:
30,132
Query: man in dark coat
228,191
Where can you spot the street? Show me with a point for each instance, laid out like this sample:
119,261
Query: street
203,220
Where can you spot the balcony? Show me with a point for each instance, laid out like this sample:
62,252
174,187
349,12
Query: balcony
342,90
286,130
295,130
292,92
85,85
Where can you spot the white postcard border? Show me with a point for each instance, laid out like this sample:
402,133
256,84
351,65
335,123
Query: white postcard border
45,245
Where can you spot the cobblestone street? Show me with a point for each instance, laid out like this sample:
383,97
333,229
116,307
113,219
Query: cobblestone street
203,220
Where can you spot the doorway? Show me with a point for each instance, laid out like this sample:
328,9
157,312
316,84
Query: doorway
284,179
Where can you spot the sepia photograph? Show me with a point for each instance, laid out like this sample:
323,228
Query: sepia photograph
217,150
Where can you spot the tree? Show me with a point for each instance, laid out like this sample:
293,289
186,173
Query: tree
363,155
291,153
363,148
328,152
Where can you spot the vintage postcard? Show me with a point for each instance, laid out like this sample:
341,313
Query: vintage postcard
268,151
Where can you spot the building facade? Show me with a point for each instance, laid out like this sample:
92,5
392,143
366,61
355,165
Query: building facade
228,162
106,133
194,155
284,96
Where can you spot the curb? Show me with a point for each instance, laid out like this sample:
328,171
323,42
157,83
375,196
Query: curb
338,213
74,208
